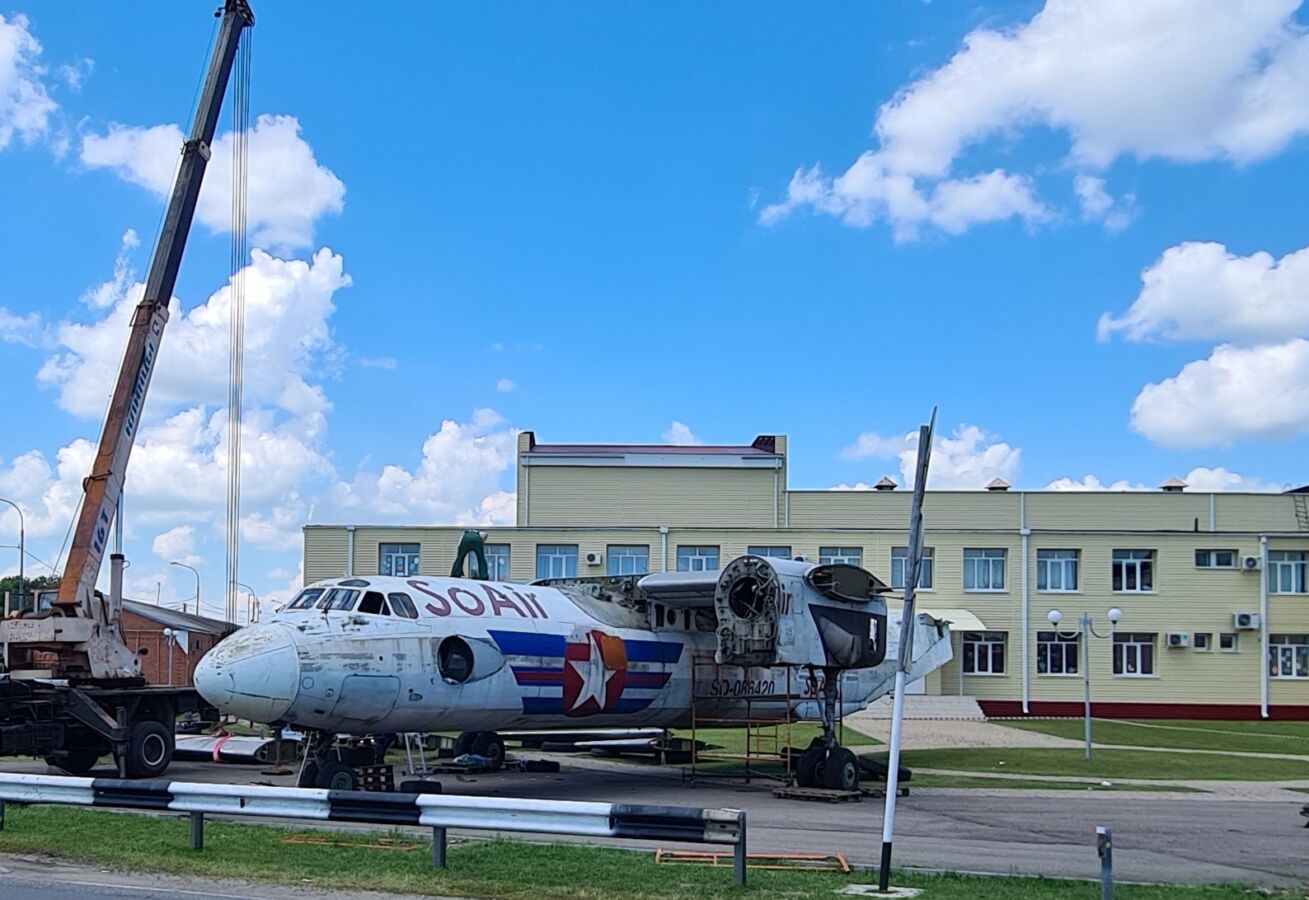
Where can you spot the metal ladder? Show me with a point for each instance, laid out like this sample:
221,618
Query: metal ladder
415,755
1302,511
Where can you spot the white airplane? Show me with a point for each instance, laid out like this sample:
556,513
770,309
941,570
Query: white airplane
381,655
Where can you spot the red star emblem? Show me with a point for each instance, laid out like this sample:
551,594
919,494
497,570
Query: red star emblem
595,670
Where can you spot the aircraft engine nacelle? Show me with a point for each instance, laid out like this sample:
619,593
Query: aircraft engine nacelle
461,660
783,612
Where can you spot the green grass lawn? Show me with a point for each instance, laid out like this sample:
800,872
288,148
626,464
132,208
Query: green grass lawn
928,780
1251,737
1109,764
507,869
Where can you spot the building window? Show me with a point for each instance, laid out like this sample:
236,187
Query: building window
1203,641
497,561
1056,570
1134,654
776,552
926,571
1227,642
984,652
838,556
1288,656
1056,654
397,559
1133,571
984,570
556,560
1286,571
697,559
1215,559
627,559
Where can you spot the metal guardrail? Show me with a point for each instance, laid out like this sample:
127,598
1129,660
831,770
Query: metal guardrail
437,811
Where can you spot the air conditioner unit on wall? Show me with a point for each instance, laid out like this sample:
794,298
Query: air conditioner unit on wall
594,558
1251,563
1245,621
1178,639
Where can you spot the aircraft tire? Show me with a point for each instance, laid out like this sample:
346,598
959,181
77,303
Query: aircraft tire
308,775
842,771
809,768
149,749
490,745
464,743
337,776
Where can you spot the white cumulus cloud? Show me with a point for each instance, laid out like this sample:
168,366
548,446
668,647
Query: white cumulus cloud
679,433
25,104
505,385
1259,393
965,460
1183,80
176,544
288,189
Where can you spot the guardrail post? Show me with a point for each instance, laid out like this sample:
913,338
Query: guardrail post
1104,845
197,831
2,815
438,847
738,856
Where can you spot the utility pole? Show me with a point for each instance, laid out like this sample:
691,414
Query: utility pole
197,585
22,546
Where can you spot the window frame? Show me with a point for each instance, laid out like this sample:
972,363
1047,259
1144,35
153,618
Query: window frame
926,574
494,570
990,640
754,550
1064,641
970,563
615,552
841,555
1208,640
692,553
1296,568
1043,565
1139,564
383,556
1137,642
550,552
1288,647
1235,642
402,605
1211,554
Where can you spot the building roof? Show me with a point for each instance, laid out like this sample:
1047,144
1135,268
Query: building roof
172,618
763,445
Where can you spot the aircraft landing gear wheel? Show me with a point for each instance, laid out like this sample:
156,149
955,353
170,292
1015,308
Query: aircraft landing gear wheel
308,775
76,760
490,745
149,749
337,776
842,771
809,768
464,743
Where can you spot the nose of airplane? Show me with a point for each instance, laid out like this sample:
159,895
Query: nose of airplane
253,674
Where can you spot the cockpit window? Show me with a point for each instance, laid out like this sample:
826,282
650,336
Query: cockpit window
403,605
305,598
374,604
338,598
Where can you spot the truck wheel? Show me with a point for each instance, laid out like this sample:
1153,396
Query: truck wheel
76,760
337,776
490,745
149,750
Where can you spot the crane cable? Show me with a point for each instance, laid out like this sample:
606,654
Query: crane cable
236,324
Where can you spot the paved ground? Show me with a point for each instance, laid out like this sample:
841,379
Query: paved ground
924,734
1158,837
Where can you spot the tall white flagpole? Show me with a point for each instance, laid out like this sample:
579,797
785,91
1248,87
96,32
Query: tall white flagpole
906,649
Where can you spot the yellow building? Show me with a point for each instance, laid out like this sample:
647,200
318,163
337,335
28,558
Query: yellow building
1212,587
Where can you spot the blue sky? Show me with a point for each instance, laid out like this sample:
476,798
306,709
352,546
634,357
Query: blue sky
594,221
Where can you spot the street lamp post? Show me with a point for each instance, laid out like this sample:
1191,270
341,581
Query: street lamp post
197,585
22,545
171,636
249,610
1087,630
